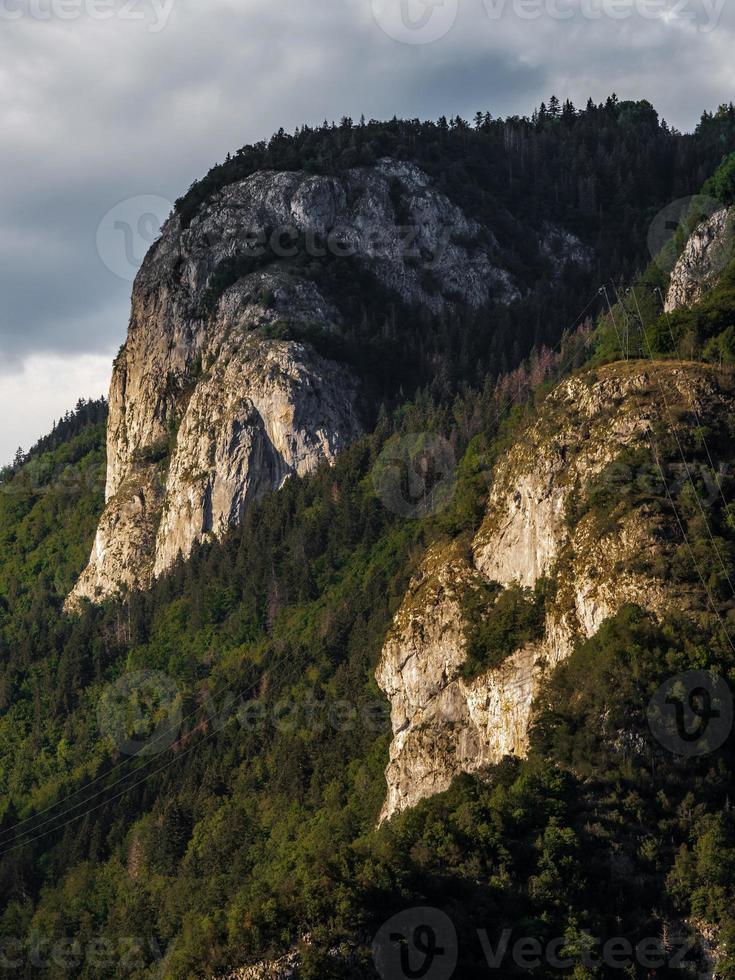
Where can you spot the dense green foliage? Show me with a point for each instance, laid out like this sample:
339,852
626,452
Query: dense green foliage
501,621
225,845
637,326
85,413
722,184
49,509
598,167
255,826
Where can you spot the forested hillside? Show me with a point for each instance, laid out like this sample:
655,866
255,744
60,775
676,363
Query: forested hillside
231,816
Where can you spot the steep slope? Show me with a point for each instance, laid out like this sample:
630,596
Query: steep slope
572,509
207,408
255,834
290,241
256,830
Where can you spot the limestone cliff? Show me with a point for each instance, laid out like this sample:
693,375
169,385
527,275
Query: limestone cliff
708,251
207,410
444,723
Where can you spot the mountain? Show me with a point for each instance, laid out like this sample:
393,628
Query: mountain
214,401
393,574
275,298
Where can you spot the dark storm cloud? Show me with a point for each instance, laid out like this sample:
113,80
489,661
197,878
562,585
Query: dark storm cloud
97,109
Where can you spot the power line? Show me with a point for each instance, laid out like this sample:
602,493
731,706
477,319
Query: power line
9,831
677,516
16,845
681,450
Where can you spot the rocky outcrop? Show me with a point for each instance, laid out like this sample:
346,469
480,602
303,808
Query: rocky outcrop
285,968
345,957
707,253
444,723
561,249
208,408
264,411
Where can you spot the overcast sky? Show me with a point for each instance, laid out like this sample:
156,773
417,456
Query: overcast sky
110,101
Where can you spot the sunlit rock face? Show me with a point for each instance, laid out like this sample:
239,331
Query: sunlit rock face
209,406
707,253
445,724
